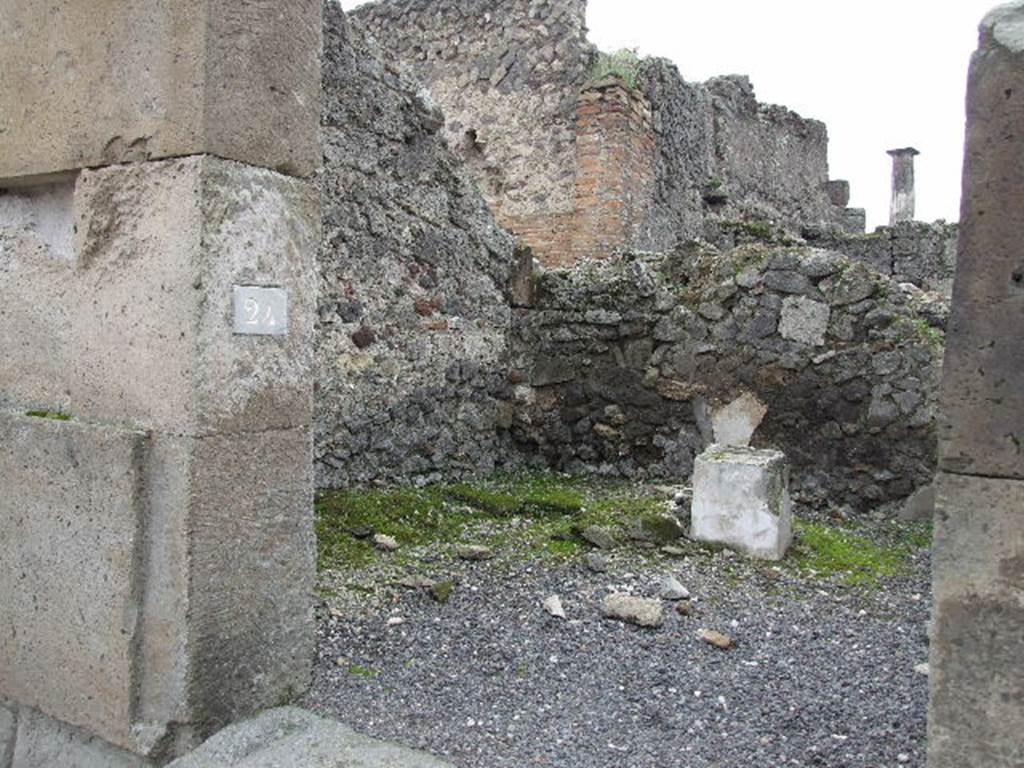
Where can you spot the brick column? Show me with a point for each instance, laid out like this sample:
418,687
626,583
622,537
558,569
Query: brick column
976,714
158,235
614,169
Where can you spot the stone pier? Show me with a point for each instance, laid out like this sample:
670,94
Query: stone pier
976,714
158,235
902,206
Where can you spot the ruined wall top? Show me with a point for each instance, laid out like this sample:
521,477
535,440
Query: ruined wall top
506,73
509,76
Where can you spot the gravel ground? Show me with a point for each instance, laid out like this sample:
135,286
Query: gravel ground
821,674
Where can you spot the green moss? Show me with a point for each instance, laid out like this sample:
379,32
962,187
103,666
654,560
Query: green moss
833,550
360,671
623,64
535,513
442,591
55,415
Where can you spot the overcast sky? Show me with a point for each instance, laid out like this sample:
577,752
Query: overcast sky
880,73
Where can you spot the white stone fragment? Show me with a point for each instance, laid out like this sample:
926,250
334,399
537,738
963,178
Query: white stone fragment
735,423
741,499
672,589
553,605
804,320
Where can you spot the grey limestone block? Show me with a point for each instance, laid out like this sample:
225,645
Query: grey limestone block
128,317
70,567
289,737
976,712
43,742
84,86
982,400
8,729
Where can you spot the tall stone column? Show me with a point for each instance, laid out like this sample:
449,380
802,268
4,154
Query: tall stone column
902,206
976,714
158,233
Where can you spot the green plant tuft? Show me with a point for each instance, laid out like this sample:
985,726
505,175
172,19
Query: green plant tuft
360,671
623,64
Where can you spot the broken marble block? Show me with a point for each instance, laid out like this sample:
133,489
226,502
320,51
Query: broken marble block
741,500
735,423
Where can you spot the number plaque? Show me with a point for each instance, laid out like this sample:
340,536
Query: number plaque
260,311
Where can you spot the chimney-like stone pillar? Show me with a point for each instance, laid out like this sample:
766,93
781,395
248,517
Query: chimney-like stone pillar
902,206
976,712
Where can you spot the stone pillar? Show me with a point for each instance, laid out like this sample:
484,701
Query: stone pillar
902,206
976,714
158,233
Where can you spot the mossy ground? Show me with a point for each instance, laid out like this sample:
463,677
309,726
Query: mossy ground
539,513
542,514
855,555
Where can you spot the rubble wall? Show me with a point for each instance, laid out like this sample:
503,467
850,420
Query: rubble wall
624,359
910,252
413,321
517,84
506,75
771,163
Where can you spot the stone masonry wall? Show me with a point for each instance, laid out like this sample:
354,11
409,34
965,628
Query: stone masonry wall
911,252
413,322
623,361
514,81
507,75
769,163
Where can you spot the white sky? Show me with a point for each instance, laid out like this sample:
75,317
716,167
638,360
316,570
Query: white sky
880,73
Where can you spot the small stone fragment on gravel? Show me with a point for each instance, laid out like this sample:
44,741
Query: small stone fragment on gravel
597,562
442,591
672,589
672,550
684,608
655,529
385,543
553,605
714,638
394,621
600,537
474,552
923,669
641,611
361,531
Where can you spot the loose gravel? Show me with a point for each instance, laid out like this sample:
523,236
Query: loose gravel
821,674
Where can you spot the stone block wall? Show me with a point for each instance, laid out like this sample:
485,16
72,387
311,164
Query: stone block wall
623,360
156,537
976,708
413,316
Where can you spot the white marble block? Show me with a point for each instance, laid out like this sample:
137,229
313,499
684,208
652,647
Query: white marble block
741,500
